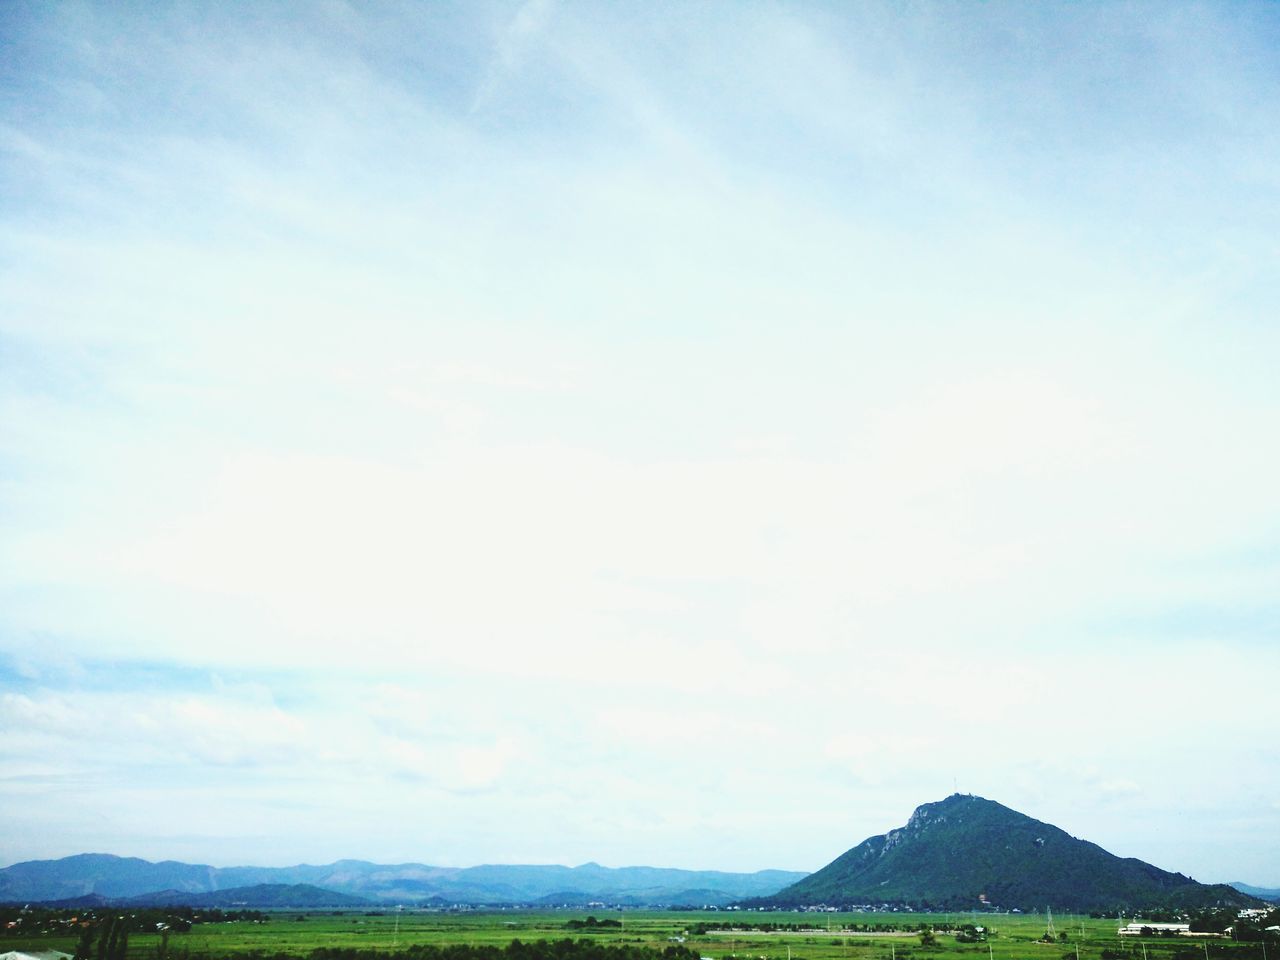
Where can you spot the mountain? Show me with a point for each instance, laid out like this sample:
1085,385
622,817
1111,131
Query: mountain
122,878
100,873
965,852
298,895
1262,893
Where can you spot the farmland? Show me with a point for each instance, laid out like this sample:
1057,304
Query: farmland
718,935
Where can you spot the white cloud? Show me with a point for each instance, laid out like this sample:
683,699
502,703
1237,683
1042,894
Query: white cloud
523,30
576,405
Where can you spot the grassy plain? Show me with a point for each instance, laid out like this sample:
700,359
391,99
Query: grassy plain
1013,936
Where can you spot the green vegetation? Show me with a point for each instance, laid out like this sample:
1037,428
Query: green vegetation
731,935
591,923
58,923
966,852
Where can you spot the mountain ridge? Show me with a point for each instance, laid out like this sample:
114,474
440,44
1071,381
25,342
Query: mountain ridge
966,852
1270,894
277,895
123,878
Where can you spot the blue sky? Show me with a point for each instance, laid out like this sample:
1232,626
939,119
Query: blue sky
691,435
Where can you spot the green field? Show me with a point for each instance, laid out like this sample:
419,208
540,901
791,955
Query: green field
1013,936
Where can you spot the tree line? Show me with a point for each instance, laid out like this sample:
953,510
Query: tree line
565,949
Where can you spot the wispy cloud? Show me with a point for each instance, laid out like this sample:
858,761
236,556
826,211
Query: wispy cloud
530,406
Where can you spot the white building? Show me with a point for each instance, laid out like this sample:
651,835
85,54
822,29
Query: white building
1159,929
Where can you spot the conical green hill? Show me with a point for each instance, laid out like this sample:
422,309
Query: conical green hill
966,852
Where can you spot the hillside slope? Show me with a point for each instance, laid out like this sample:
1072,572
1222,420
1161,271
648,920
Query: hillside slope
288,895
964,851
120,878
1270,894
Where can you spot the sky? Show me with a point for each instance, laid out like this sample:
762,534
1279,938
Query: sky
677,434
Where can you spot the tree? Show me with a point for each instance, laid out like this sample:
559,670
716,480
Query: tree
107,948
84,949
102,939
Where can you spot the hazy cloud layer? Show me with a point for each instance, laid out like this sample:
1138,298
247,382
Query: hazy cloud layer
690,435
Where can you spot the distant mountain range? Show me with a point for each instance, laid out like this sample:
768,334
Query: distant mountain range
261,895
960,853
966,852
120,879
1262,893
